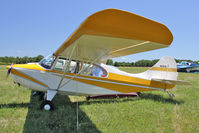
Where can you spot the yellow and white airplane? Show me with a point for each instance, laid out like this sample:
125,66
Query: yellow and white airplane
77,67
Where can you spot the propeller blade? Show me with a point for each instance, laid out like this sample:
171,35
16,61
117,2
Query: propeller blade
8,73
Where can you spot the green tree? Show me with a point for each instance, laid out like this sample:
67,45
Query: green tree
116,64
109,62
39,58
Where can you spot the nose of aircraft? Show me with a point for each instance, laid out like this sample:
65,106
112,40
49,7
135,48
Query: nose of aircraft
14,67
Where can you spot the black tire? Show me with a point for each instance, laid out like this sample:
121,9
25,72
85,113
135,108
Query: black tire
47,104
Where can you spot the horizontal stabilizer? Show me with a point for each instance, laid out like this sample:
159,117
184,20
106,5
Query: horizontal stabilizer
176,82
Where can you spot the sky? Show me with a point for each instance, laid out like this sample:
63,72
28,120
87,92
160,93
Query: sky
30,28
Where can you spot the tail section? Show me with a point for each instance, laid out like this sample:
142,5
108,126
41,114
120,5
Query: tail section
164,69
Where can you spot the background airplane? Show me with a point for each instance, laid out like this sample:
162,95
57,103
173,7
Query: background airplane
187,66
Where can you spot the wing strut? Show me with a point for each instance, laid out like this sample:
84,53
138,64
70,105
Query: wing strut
67,67
132,46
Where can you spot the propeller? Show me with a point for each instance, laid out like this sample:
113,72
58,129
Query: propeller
9,70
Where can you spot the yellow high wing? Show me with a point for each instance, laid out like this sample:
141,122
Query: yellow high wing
112,33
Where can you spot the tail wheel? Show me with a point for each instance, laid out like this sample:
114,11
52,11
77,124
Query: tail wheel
47,105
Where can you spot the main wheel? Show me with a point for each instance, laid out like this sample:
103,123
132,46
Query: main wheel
47,105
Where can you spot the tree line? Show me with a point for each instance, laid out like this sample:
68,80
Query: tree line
141,63
19,60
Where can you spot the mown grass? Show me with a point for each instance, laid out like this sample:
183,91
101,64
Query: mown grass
152,112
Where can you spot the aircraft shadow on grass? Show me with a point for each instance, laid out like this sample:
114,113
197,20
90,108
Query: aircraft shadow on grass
160,98
66,100
63,118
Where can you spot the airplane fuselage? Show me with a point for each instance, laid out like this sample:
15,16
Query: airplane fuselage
36,77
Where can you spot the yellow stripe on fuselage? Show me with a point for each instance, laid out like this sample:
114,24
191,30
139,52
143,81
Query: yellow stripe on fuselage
122,87
163,69
34,66
112,86
14,71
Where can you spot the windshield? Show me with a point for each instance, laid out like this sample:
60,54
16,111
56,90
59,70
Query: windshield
47,62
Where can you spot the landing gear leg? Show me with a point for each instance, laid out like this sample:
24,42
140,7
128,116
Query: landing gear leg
46,103
170,94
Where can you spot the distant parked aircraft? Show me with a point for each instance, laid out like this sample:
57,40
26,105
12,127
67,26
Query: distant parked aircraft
187,66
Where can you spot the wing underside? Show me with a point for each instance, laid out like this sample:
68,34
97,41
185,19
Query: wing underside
113,33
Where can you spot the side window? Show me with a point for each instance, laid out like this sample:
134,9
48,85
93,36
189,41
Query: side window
62,63
73,65
94,70
88,71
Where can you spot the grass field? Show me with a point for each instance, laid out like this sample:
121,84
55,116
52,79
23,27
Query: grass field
152,112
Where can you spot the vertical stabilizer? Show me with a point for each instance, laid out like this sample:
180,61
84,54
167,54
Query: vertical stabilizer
164,69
